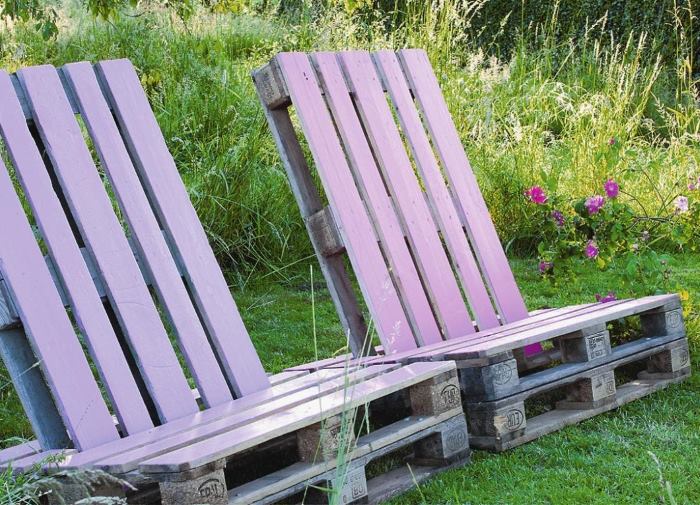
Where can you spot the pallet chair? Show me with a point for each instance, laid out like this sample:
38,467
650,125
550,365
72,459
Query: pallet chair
129,268
405,209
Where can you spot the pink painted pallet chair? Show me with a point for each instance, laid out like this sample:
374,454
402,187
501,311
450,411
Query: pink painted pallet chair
405,209
134,276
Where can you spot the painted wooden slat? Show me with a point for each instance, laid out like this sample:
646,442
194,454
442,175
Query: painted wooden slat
105,239
48,327
438,195
71,269
145,232
466,194
19,451
263,413
292,419
353,222
375,196
418,224
606,312
436,351
312,381
168,195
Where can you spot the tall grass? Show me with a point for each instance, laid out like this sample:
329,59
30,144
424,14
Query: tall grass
544,116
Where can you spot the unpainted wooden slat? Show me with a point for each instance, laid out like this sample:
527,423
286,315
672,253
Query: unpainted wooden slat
465,189
105,239
48,327
438,195
414,214
333,267
70,268
168,196
348,210
146,234
371,187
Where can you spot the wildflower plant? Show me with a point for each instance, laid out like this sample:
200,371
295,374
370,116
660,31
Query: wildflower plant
606,229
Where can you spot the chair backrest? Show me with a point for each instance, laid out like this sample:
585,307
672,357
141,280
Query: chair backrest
129,192
401,192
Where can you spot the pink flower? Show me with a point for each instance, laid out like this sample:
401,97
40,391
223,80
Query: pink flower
692,186
594,204
536,195
591,250
558,218
681,204
610,297
545,266
612,189
612,141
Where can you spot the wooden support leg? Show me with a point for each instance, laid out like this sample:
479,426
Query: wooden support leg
207,489
449,444
491,381
590,393
322,441
666,320
349,486
501,423
585,345
436,395
668,364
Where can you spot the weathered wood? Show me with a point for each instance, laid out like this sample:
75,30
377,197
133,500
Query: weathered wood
557,419
325,231
209,489
24,371
309,202
503,423
586,344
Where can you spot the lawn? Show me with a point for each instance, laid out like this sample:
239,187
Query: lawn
611,458
563,114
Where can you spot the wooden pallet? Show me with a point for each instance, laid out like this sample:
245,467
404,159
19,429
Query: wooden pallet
494,372
501,424
273,451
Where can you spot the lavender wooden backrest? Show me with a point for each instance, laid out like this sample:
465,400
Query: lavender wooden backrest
403,200
68,196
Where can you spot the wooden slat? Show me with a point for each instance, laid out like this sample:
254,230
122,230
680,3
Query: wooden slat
200,420
303,187
146,234
19,451
418,224
465,189
348,211
71,269
292,419
438,195
374,194
168,195
104,237
48,327
437,351
606,312
262,414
